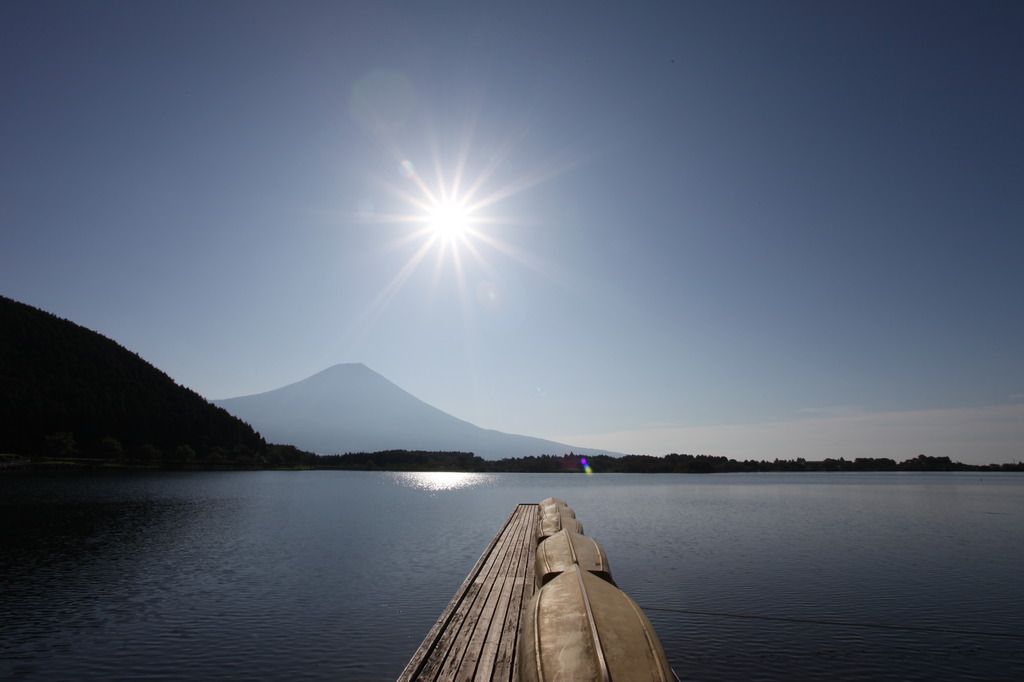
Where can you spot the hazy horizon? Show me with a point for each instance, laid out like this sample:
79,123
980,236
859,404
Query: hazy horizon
738,229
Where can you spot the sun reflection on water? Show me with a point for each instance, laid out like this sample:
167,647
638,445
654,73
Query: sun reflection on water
440,480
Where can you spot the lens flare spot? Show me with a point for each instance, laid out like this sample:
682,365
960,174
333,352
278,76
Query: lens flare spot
488,296
382,101
407,169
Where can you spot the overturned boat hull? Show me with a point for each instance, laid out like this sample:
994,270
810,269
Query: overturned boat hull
580,627
555,516
561,551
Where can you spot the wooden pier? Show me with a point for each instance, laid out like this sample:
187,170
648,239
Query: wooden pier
476,636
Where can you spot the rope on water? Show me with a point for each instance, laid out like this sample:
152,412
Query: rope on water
838,623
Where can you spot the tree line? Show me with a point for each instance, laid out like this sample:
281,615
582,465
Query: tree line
288,456
61,452
404,460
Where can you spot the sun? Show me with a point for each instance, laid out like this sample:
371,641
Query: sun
448,220
450,206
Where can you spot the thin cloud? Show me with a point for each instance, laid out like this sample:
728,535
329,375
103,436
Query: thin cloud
833,411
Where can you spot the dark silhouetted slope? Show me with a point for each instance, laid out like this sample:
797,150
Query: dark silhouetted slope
59,377
351,408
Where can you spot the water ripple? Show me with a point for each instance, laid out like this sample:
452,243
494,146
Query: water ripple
339,575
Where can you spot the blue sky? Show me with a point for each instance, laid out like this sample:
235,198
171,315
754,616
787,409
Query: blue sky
746,229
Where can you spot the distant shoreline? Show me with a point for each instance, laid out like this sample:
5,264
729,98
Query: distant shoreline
424,461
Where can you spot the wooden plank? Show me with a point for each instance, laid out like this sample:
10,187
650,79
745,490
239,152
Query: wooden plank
477,633
478,612
415,665
501,640
465,652
503,632
504,667
498,654
479,659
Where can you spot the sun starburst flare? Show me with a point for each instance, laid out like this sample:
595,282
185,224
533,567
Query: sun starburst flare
446,204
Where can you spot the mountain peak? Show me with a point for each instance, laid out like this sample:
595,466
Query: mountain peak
349,407
346,376
341,366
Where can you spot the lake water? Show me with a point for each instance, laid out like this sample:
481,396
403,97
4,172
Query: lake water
339,575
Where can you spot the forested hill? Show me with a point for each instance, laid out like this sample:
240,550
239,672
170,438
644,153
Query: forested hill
67,390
